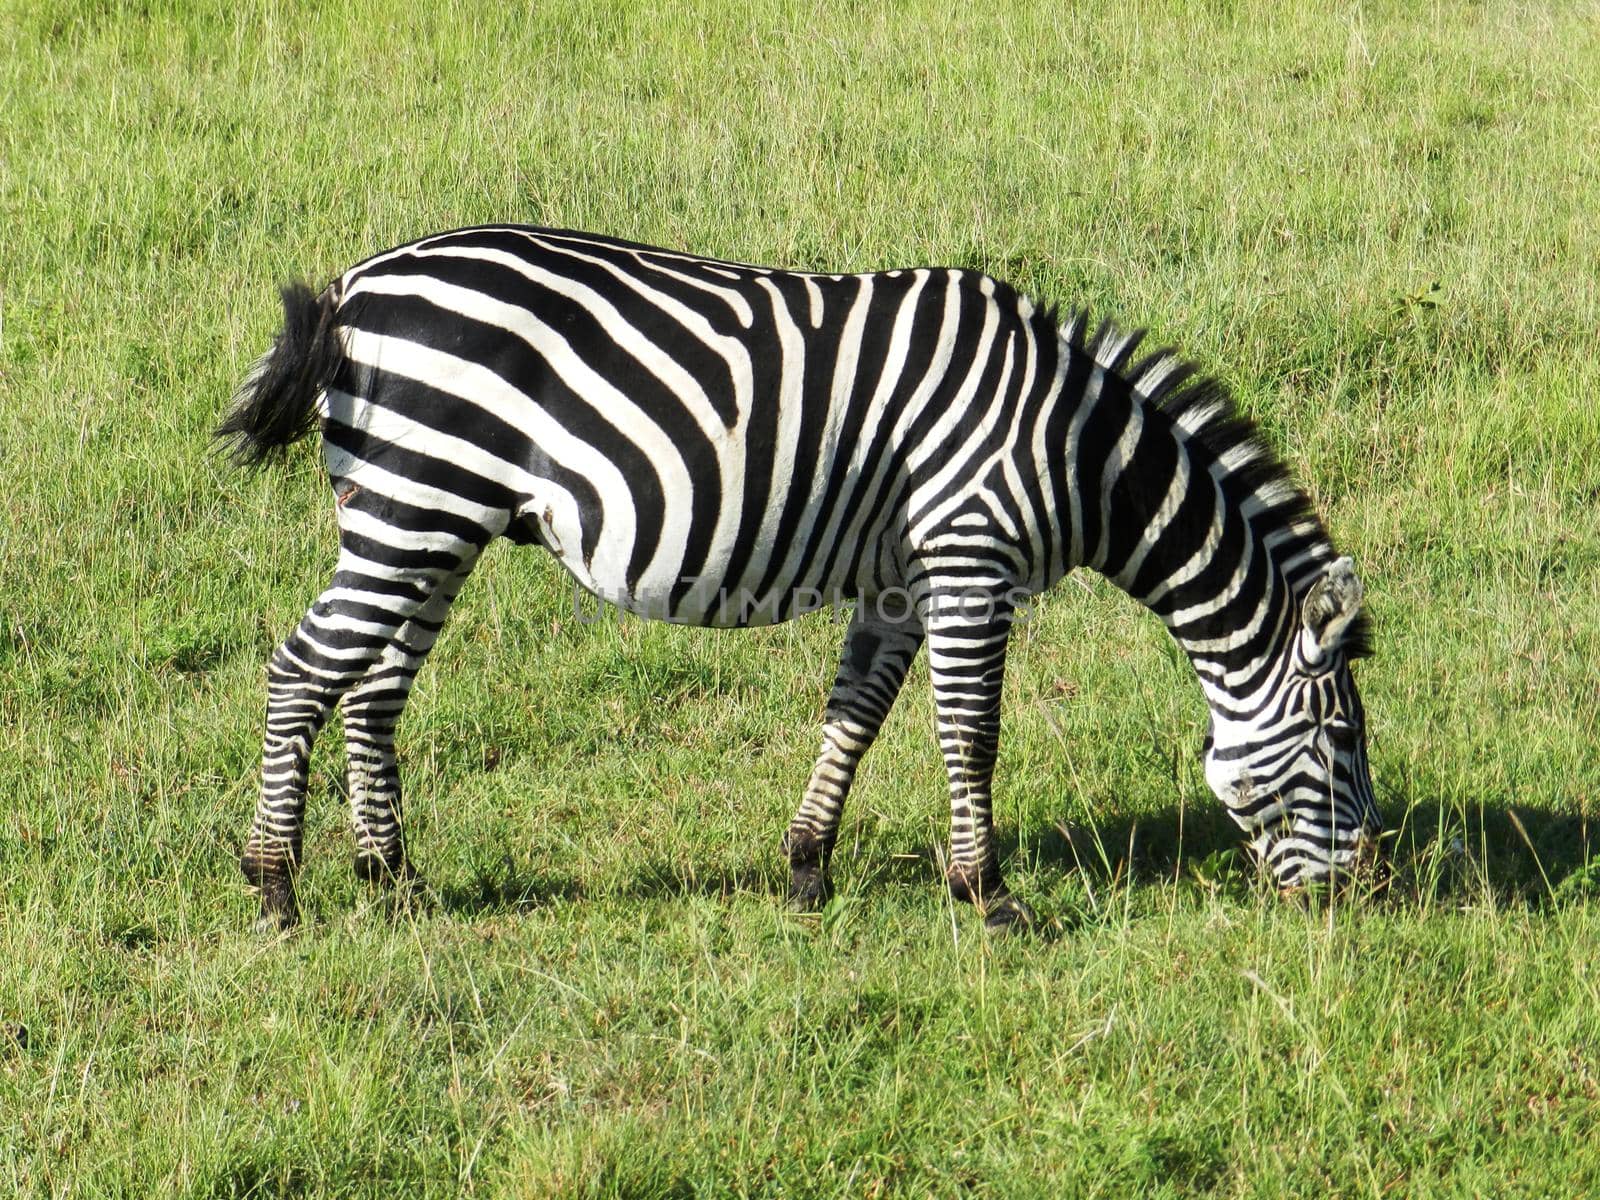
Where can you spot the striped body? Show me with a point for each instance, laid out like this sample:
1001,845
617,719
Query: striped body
718,444
696,441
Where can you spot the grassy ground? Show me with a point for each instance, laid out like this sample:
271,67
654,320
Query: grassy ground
1376,223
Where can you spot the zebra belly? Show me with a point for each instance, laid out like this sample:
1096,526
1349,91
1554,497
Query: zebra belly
717,586
706,599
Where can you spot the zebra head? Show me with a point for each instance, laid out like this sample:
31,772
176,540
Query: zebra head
1292,768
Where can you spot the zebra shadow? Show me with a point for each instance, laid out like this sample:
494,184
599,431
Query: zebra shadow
502,888
508,887
1510,854
1439,852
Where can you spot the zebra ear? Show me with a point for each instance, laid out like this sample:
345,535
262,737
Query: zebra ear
1331,606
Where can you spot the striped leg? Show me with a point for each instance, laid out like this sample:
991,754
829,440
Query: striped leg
338,643
371,710
967,634
877,652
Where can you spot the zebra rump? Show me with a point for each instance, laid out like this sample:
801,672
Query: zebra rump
277,403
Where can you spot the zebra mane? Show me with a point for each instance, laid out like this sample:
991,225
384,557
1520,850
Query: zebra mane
1201,406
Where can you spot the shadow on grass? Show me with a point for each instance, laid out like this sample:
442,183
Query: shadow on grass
1440,851
509,887
502,890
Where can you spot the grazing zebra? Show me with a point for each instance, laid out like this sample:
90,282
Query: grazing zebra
725,445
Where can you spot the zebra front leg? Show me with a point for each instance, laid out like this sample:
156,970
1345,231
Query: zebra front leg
338,642
967,636
878,649
371,711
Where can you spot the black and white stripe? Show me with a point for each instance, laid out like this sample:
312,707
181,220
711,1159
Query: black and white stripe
720,444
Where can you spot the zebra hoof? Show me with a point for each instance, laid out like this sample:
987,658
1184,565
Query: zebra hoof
809,889
1008,915
279,913
807,855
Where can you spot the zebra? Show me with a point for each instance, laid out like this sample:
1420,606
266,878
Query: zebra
720,444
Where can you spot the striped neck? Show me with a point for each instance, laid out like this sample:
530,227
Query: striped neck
1169,493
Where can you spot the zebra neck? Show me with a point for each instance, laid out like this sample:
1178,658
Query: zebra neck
1183,508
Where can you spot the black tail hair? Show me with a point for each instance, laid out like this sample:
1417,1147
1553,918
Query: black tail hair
276,405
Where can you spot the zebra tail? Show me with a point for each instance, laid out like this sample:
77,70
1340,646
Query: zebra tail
276,404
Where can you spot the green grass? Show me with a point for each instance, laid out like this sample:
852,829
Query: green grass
605,998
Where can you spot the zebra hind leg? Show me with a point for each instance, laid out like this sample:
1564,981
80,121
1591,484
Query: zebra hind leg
337,645
371,711
877,653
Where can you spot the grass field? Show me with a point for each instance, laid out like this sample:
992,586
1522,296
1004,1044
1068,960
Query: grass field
1376,223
